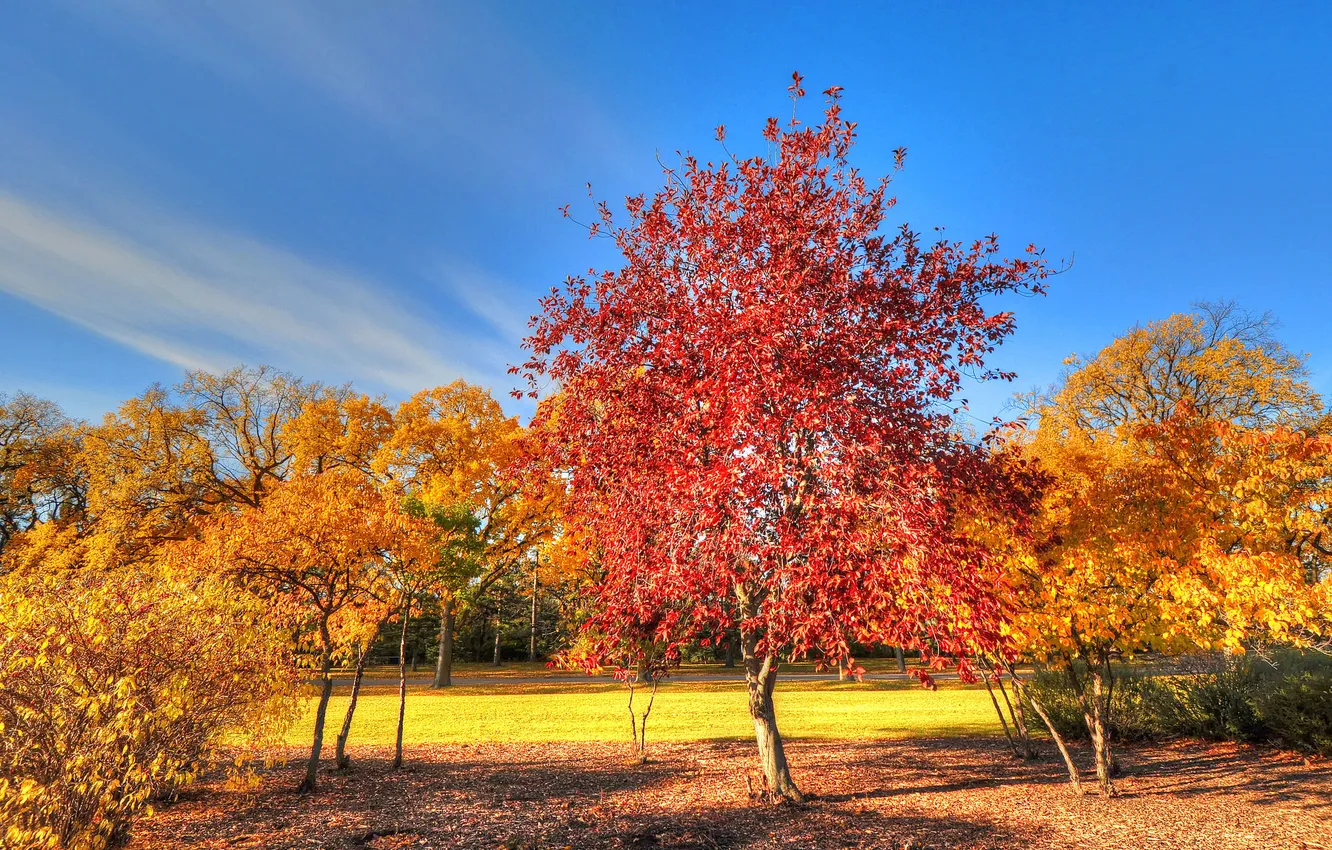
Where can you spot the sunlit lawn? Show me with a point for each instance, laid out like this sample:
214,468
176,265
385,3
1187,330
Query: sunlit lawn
539,669
683,711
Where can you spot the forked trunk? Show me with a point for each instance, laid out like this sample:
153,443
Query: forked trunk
444,664
326,690
402,679
761,677
638,724
343,760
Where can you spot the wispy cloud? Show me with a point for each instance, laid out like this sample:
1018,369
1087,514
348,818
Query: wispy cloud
489,298
202,297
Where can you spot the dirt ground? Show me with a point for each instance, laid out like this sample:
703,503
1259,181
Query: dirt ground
919,794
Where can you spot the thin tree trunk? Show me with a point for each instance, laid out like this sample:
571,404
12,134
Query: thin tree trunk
989,688
444,663
326,690
633,716
1025,694
730,650
901,659
761,677
1109,717
402,679
342,759
532,635
642,723
496,661
1018,714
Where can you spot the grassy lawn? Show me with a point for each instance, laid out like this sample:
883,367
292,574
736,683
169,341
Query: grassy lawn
539,669
683,711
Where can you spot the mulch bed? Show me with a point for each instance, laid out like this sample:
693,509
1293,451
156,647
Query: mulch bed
920,794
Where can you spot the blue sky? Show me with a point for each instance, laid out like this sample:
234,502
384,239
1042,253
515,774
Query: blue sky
368,192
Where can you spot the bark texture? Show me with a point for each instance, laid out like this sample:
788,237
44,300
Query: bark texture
444,663
325,691
761,677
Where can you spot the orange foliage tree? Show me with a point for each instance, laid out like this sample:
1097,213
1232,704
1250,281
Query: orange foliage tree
317,550
1186,479
454,449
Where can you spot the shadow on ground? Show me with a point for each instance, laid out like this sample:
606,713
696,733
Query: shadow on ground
955,793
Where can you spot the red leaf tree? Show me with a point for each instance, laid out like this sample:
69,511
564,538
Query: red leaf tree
756,414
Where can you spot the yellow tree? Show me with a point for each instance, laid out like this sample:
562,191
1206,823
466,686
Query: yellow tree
337,430
454,447
1183,463
317,551
344,431
34,439
165,459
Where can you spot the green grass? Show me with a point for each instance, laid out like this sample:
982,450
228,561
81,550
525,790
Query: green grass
539,669
684,711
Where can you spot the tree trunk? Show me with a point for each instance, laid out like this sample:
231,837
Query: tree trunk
901,659
1018,715
342,759
989,688
496,661
730,650
1073,776
637,724
444,663
1096,711
326,690
402,679
532,636
761,677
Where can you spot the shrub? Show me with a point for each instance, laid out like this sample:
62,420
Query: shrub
1284,700
115,688
1296,706
1138,705
1214,699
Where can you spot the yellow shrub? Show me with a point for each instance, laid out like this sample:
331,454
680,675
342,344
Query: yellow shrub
118,687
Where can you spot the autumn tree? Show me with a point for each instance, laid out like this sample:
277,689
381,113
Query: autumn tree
38,480
167,458
344,431
338,430
317,551
1188,480
453,448
434,545
755,413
